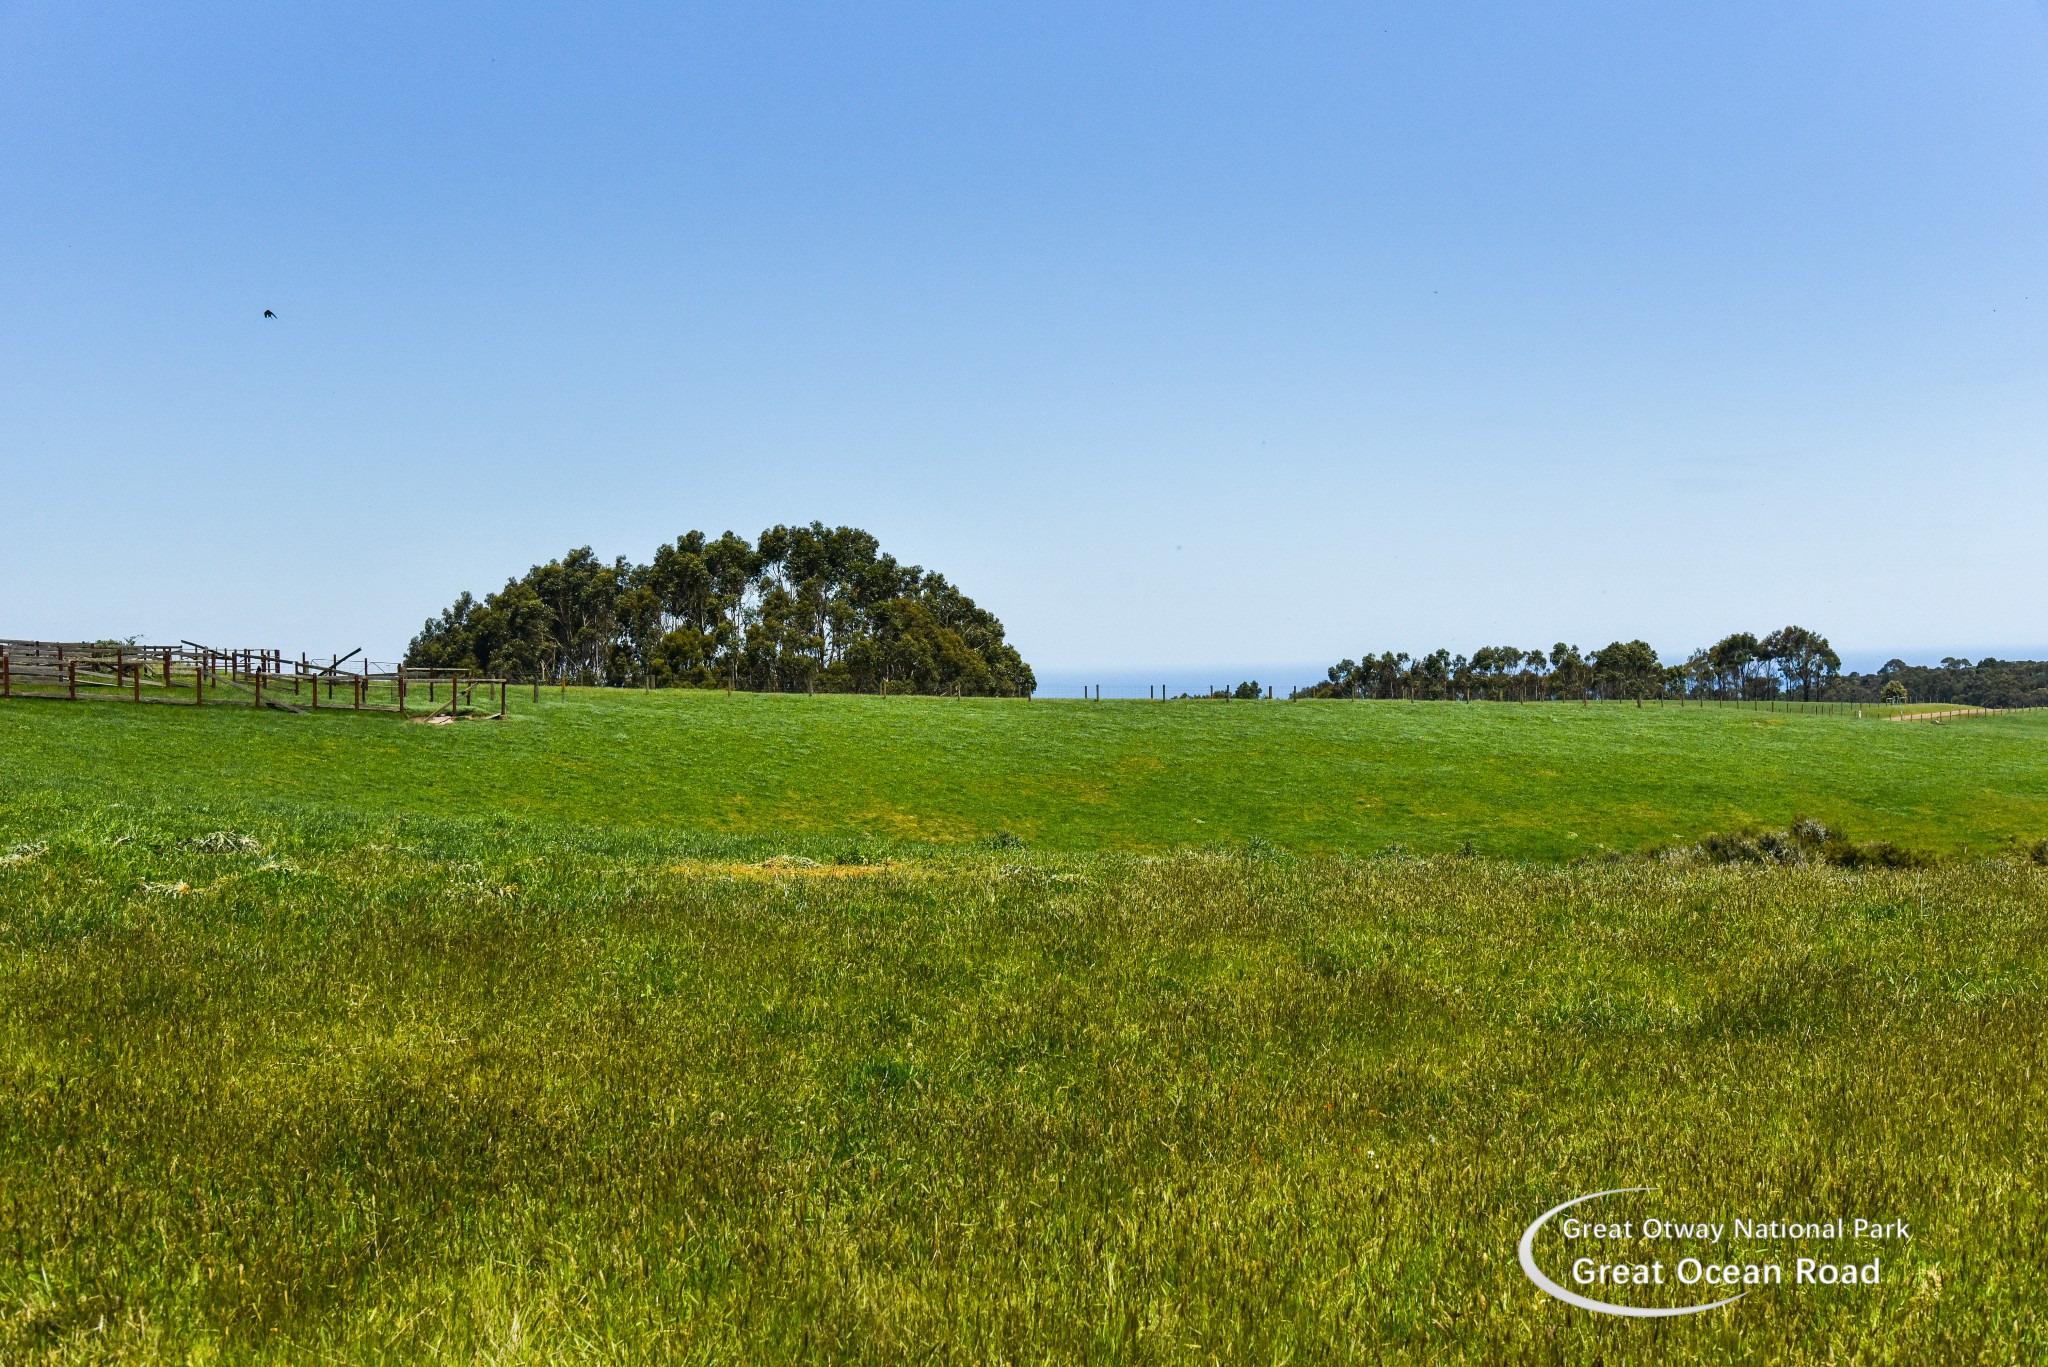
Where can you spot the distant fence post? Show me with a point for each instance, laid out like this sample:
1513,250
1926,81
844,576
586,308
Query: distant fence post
74,680
6,676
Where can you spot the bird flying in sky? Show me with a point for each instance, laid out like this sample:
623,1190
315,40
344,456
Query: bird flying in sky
268,314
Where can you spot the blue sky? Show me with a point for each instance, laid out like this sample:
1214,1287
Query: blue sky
1199,339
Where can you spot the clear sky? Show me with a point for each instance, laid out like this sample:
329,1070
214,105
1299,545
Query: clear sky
1179,336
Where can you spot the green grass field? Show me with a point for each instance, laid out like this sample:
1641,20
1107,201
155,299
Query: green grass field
1524,782
339,1039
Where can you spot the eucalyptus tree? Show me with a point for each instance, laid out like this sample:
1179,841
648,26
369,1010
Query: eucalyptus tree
1733,656
807,607
732,564
581,592
1628,670
1390,675
1738,666
1570,676
1802,657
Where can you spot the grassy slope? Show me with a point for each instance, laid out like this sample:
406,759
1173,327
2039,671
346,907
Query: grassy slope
461,1097
394,1079
1541,782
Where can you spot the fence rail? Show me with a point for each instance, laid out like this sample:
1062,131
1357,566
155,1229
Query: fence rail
196,675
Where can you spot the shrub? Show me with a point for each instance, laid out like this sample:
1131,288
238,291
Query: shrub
1805,841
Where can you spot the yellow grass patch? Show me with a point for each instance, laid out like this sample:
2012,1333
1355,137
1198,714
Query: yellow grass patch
784,866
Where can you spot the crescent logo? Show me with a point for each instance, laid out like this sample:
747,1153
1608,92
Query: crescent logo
1549,1287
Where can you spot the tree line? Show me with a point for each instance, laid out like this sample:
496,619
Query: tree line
1790,662
1989,682
802,609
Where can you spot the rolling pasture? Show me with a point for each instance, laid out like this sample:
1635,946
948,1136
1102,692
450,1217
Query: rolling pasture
698,1029
808,775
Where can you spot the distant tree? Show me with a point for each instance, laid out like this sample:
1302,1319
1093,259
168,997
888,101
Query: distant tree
732,564
808,607
1495,670
448,641
1733,657
581,594
1432,675
1390,674
1628,669
513,631
1795,658
1803,657
1570,676
1893,692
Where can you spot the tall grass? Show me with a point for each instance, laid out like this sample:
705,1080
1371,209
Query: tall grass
413,1089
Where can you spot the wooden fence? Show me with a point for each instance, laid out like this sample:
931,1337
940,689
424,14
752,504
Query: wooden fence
199,675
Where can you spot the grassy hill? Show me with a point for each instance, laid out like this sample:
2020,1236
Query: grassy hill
335,1038
443,1094
1542,782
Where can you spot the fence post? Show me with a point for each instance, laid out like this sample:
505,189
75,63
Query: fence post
6,676
198,684
74,681
503,686
258,703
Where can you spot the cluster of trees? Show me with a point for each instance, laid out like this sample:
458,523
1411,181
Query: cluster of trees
1792,661
801,609
1987,683
1247,690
